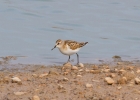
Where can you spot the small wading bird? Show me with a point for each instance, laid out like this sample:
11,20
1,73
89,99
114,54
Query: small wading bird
69,47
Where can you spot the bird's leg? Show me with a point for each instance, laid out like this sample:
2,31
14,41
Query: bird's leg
68,59
77,59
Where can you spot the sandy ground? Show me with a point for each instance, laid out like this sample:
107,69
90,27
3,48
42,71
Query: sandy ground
119,80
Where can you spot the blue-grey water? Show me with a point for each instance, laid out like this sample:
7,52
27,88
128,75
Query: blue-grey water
30,28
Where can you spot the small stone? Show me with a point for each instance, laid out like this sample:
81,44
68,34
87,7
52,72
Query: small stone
15,80
119,87
122,80
74,68
95,81
122,71
65,79
119,63
35,97
112,75
60,86
67,65
34,75
87,70
53,71
137,80
106,70
138,71
109,80
95,71
6,79
81,65
89,85
81,70
19,93
79,75
66,73
43,75
95,67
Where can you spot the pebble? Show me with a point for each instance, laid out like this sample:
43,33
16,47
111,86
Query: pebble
112,75
60,86
137,80
138,71
81,65
67,65
53,71
35,97
79,75
122,80
89,85
122,71
87,70
95,71
81,70
109,80
65,79
95,67
19,93
74,68
34,75
106,70
119,87
15,80
43,75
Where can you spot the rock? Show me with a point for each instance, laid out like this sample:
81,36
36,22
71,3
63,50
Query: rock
74,68
137,80
129,76
119,63
67,65
6,79
15,80
43,75
79,75
65,73
112,75
19,93
65,79
122,71
106,70
60,86
35,98
89,85
87,70
81,70
95,71
95,67
53,71
119,87
109,80
122,80
34,75
138,71
95,80
81,65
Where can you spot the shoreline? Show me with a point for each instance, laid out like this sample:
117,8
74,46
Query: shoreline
119,80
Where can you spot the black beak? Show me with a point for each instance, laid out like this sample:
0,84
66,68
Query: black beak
54,47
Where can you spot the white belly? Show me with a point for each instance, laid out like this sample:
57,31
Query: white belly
69,51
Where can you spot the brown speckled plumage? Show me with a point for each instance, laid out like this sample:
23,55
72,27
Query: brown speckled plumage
74,45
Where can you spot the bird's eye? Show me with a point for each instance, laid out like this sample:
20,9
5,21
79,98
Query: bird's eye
57,43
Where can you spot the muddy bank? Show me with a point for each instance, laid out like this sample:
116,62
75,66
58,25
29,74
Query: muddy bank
118,80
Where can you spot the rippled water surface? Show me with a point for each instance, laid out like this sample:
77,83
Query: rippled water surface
31,27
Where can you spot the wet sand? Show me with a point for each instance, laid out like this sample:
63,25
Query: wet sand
116,80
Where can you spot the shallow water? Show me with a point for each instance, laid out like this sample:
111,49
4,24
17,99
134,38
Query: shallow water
31,27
